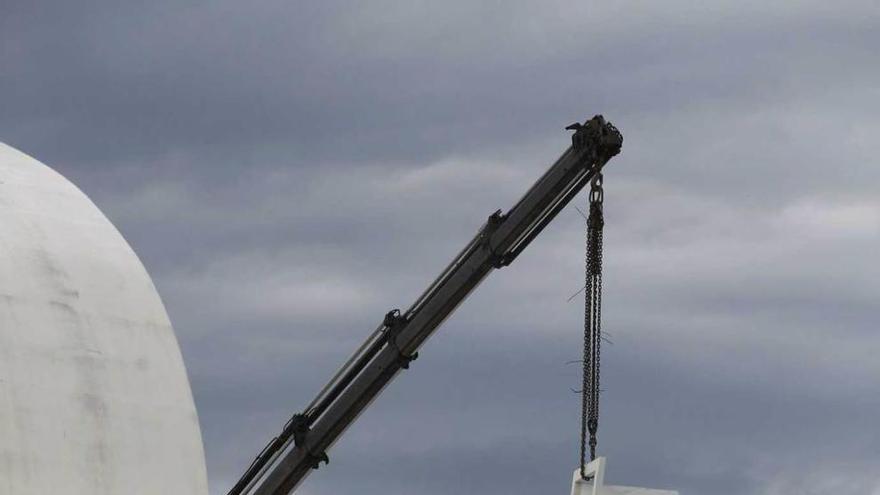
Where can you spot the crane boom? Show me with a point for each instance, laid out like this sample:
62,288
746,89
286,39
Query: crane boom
303,442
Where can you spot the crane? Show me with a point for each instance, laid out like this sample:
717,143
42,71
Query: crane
305,439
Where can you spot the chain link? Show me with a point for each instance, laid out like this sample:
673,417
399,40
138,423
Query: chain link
592,324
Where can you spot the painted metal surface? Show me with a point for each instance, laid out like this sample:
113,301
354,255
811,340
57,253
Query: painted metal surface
94,397
596,486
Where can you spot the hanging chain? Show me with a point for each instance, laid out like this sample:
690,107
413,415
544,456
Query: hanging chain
592,323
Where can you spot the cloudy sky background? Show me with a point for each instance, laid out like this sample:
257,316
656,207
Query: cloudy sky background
289,171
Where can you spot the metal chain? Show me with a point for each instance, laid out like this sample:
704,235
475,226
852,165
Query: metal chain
592,324
587,378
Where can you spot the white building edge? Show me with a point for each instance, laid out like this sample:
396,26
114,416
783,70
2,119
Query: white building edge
595,484
94,396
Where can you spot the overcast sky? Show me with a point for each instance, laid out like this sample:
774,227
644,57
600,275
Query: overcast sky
290,171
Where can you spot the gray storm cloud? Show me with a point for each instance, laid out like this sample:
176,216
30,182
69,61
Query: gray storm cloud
291,171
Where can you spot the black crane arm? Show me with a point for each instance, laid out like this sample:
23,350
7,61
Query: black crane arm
302,444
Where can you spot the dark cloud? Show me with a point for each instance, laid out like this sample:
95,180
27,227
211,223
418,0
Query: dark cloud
290,171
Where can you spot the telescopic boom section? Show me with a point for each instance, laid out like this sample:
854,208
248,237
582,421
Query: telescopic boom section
305,439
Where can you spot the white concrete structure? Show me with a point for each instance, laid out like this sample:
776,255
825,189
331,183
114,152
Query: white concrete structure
597,486
94,397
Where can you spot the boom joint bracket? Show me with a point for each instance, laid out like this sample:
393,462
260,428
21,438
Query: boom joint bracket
394,323
299,423
496,259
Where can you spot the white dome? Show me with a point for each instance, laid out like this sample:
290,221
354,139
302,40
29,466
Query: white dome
94,397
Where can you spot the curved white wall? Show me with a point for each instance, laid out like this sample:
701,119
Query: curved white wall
94,397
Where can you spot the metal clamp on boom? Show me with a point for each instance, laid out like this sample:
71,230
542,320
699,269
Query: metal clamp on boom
394,322
299,423
496,259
